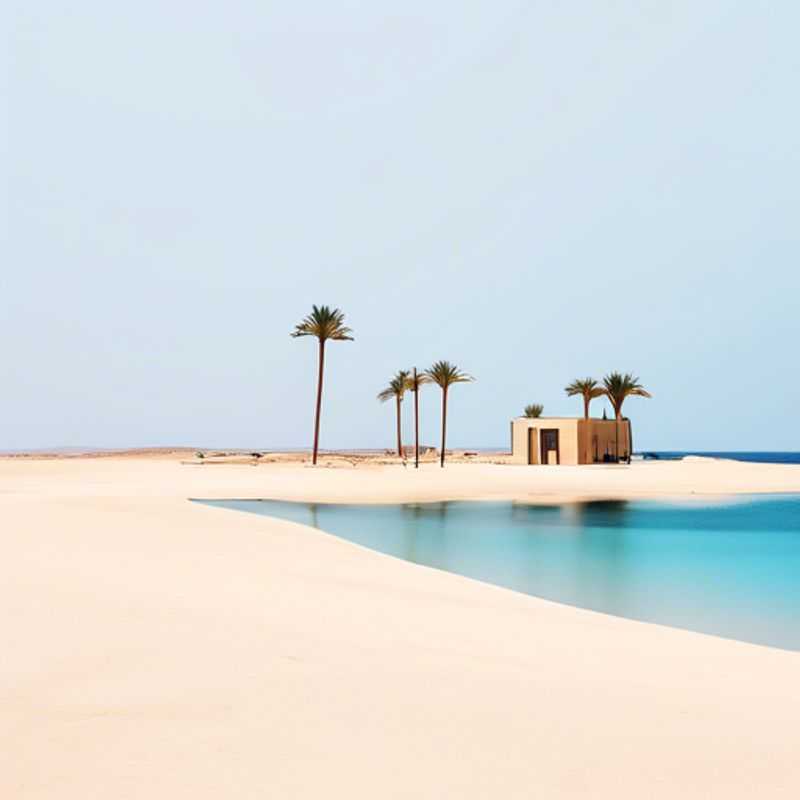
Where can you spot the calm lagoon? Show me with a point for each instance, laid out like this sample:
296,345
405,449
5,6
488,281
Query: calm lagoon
728,568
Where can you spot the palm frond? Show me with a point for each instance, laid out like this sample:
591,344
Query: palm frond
534,410
617,386
445,374
396,388
324,323
585,387
413,384
588,389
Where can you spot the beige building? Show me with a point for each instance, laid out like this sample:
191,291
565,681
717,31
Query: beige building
569,440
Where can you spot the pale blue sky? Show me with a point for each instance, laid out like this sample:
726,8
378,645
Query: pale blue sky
537,191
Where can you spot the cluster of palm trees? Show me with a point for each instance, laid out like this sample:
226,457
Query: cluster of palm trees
444,375
327,324
616,386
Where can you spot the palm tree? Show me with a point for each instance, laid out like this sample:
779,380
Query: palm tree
324,323
396,389
414,381
588,388
617,387
444,374
534,410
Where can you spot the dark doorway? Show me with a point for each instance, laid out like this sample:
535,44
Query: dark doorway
549,444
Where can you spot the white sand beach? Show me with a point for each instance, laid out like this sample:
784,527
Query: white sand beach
155,648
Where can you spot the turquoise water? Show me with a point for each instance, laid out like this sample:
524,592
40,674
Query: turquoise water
729,569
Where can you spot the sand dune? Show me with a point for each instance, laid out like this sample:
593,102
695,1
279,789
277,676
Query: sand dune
156,648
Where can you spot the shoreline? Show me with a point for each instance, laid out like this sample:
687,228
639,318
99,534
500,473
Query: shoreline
314,529
164,648
540,499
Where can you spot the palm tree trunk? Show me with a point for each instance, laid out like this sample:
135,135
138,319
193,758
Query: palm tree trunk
399,435
586,402
416,421
319,400
444,425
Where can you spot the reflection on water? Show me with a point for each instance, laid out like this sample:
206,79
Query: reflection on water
732,569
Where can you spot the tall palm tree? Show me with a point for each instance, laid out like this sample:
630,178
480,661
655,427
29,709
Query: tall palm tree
396,389
444,375
324,323
415,380
588,388
617,387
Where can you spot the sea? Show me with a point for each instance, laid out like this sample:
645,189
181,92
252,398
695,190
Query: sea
755,456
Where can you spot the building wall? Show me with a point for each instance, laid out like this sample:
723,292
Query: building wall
519,440
567,438
598,437
576,437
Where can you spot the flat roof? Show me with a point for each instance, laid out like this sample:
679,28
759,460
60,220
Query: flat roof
566,419
559,419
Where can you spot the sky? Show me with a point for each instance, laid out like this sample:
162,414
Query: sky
535,191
